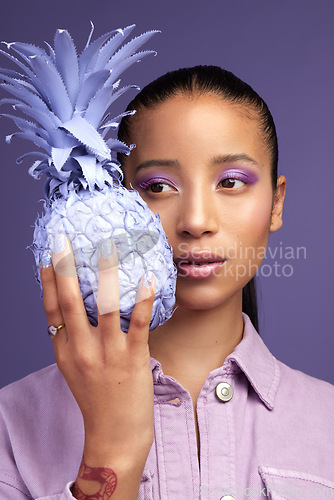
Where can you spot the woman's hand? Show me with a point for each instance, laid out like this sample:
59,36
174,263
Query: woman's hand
107,370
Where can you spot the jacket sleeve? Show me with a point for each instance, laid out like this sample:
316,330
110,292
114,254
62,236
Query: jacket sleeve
12,486
41,438
13,489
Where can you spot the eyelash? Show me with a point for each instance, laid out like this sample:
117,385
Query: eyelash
235,179
147,184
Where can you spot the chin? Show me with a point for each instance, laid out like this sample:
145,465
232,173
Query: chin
204,300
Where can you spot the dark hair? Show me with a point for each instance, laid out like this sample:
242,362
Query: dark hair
201,80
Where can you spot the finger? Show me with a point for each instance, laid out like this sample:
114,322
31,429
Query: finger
108,288
69,295
50,299
142,312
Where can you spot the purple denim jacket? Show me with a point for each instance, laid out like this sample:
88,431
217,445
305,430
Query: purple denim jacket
266,431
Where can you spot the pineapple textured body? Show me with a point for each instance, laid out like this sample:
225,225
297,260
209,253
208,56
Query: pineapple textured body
88,219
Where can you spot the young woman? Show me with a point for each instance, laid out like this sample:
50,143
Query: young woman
199,408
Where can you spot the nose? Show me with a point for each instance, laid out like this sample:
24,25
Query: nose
197,215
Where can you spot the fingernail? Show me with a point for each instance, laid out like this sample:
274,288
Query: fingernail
46,258
148,279
106,248
59,243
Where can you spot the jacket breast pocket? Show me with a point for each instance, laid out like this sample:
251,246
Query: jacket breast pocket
290,485
146,486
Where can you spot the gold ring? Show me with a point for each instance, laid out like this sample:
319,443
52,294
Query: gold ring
52,330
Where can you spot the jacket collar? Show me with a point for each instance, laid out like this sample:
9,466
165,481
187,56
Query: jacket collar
253,358
261,368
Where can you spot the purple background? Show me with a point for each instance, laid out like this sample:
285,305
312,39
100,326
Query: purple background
285,50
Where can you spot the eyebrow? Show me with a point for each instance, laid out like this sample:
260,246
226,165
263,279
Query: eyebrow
216,160
230,158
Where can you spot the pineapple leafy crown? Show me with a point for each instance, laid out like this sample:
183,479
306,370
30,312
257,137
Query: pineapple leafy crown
66,98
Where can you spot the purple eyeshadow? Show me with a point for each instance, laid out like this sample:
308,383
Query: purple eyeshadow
242,175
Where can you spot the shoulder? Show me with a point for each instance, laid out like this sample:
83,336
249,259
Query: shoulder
299,429
33,385
296,380
39,416
33,379
41,393
305,395
41,426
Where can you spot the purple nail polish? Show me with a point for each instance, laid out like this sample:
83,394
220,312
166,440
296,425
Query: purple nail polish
106,248
148,278
46,258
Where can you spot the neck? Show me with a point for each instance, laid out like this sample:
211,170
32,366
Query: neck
194,342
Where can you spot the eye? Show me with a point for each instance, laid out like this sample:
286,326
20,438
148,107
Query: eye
155,186
232,183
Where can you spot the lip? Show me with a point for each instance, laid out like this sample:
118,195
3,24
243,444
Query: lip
187,268
192,257
198,272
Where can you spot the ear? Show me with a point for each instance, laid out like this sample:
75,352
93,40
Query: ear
277,210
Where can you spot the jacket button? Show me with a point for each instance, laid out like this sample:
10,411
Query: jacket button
227,497
224,392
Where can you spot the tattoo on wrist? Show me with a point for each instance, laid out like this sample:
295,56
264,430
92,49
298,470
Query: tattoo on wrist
104,476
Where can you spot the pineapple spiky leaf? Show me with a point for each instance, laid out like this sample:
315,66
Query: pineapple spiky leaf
67,63
67,94
111,46
65,99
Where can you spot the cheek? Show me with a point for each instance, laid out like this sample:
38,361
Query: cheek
248,239
261,214
253,221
